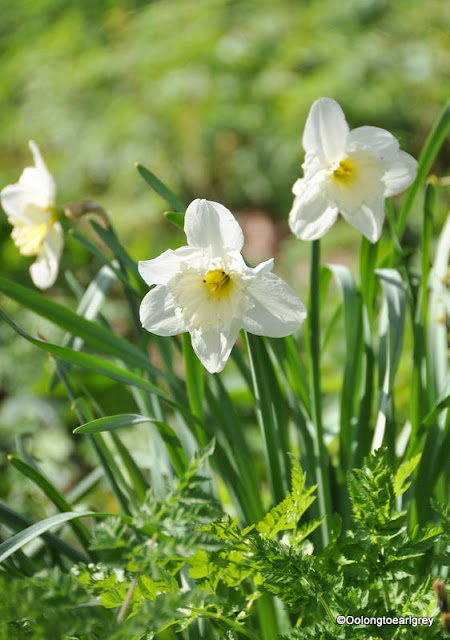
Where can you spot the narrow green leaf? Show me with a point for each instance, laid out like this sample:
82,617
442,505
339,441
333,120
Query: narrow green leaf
426,244
223,409
97,336
175,449
426,159
52,493
391,339
138,481
112,422
90,304
266,417
85,485
195,382
175,218
433,414
41,528
112,471
111,263
17,521
312,331
439,301
108,236
167,194
95,364
354,345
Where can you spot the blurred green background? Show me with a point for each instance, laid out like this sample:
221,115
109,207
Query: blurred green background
212,96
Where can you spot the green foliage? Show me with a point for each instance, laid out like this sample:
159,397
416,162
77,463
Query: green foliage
226,102
367,571
165,561
178,566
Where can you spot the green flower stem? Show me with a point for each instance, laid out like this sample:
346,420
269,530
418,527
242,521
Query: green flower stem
313,338
368,259
266,417
195,386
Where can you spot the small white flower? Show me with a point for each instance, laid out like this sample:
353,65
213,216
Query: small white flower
120,575
29,205
98,575
347,172
207,289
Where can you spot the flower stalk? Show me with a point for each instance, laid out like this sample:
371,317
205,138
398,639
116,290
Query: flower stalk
321,458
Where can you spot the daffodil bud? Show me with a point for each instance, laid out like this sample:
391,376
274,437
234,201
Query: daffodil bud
75,210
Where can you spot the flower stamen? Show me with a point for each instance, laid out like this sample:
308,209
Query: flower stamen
218,283
345,173
29,238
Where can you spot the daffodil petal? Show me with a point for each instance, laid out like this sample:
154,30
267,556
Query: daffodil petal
263,267
158,313
368,218
311,215
44,270
35,187
380,143
213,347
400,174
210,225
161,270
16,204
276,310
325,131
38,180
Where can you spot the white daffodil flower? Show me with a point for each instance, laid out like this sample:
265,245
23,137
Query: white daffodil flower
29,205
347,172
207,289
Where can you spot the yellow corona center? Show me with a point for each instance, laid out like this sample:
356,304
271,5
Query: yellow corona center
345,173
29,238
218,283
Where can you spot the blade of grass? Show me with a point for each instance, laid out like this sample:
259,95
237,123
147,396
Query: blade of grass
53,494
174,447
391,340
95,364
349,402
97,336
17,521
312,331
41,528
167,194
195,384
139,483
223,411
364,431
91,301
109,237
429,152
437,432
175,218
83,411
105,260
265,414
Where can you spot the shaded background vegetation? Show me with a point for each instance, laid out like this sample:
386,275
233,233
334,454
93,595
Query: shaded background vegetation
212,96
